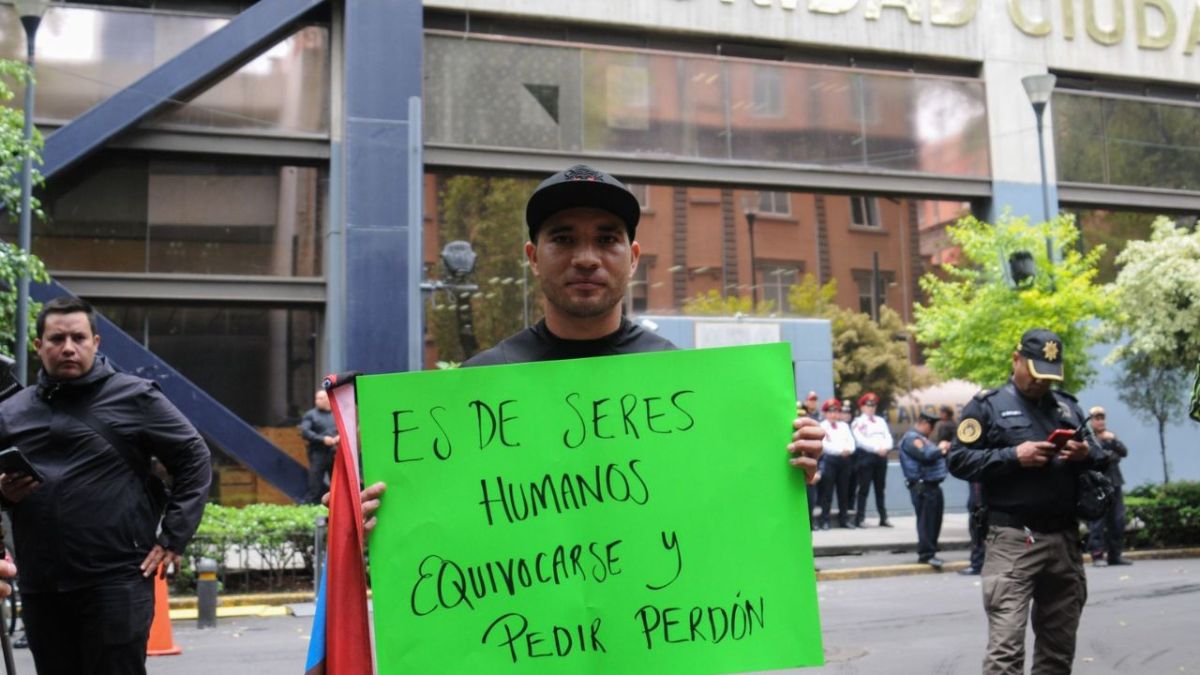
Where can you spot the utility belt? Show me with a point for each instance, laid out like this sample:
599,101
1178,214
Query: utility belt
1035,523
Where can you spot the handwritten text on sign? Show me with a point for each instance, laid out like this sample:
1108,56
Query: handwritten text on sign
630,514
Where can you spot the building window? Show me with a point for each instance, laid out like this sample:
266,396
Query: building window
775,203
637,298
776,280
862,281
864,212
642,192
768,92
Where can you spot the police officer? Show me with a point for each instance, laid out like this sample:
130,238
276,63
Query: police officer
835,464
873,442
924,465
1029,489
1106,536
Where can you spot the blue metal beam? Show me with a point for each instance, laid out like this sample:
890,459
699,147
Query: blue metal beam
379,272
244,37
215,420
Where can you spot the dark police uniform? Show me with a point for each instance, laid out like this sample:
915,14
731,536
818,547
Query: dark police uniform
924,470
1033,550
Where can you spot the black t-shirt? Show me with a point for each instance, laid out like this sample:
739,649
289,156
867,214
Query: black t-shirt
537,343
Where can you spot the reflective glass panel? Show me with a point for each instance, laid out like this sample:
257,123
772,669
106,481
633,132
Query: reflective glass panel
694,241
1124,141
502,93
131,214
85,55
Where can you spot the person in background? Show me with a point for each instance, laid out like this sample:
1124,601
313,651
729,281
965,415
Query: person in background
318,428
835,465
1106,536
811,409
924,465
943,435
873,441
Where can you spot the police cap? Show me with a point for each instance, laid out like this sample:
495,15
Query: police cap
1044,351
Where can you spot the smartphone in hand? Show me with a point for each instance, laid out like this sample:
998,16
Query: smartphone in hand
1060,437
15,465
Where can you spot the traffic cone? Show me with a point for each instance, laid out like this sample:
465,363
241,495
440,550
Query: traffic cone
162,642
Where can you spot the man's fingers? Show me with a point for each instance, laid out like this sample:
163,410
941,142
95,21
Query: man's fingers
373,491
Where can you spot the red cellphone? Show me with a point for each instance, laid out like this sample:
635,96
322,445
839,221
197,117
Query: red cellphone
1060,437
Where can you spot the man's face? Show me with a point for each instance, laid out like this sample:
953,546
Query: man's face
1029,386
321,400
810,404
924,427
868,409
584,259
1099,423
67,346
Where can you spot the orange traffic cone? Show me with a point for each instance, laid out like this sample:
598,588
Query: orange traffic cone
162,642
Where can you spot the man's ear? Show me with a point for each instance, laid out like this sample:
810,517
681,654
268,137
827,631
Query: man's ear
531,256
635,253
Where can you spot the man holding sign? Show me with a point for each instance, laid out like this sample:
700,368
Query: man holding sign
531,540
582,227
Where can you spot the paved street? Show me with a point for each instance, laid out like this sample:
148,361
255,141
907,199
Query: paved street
1139,619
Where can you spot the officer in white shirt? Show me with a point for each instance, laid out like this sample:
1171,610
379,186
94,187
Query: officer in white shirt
836,463
873,441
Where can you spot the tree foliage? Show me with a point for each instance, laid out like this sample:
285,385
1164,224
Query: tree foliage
713,303
811,298
490,214
1157,295
1155,393
867,356
13,261
974,317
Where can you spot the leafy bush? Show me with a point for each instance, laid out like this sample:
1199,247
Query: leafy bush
271,538
1169,514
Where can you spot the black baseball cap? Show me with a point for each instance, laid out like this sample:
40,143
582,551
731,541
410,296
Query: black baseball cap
926,416
1044,351
581,186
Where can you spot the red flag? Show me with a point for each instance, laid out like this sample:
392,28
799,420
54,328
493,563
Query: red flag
347,630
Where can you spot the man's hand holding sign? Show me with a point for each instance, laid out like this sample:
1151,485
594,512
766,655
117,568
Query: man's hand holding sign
577,514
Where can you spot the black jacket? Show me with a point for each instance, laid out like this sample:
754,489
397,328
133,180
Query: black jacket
984,450
92,522
537,343
315,426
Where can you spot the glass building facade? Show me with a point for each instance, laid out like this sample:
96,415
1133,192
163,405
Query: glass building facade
204,233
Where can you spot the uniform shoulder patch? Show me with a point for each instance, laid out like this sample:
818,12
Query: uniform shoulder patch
984,393
969,430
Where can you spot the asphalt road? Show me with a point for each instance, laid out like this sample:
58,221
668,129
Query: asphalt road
1139,619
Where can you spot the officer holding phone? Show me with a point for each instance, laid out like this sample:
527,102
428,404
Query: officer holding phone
1033,562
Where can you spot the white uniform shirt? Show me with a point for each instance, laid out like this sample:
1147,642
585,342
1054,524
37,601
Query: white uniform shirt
838,439
872,434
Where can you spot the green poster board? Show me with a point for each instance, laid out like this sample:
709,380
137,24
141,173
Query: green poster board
630,514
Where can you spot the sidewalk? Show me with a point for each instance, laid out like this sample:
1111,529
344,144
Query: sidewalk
901,538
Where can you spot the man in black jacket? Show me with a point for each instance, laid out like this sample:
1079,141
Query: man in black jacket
90,539
582,247
320,431
1106,536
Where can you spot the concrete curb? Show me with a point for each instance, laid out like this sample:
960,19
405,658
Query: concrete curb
919,568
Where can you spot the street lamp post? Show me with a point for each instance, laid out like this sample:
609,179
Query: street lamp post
750,217
1039,88
31,12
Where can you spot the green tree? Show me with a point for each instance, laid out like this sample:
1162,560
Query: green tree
713,303
811,298
490,214
13,262
868,356
1155,394
1157,323
1157,295
974,317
